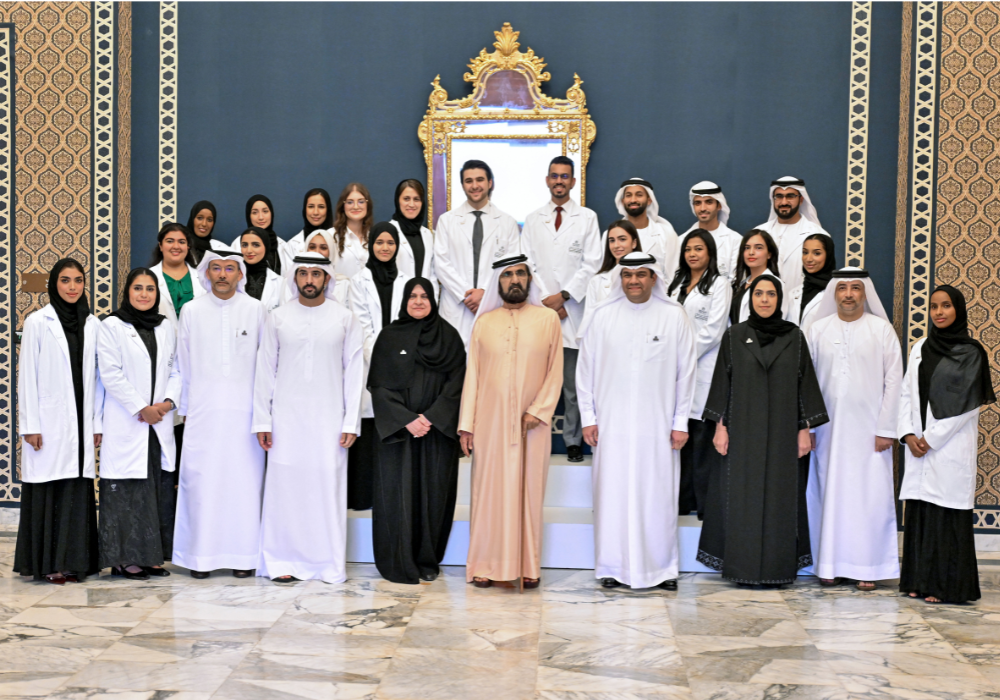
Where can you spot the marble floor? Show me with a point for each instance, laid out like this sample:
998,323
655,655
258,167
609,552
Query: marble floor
232,639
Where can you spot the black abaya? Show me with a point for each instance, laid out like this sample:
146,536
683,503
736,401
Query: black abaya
939,553
416,479
756,528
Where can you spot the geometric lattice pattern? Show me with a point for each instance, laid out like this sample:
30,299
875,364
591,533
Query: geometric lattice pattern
102,285
967,247
123,150
857,144
168,112
8,354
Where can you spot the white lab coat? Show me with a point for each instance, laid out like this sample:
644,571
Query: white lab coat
727,249
709,316
659,240
789,239
166,301
274,290
946,475
793,306
635,380
285,251
453,258
307,391
850,490
566,259
124,362
46,404
365,304
406,261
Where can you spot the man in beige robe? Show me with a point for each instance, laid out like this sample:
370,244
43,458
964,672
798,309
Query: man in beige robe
512,386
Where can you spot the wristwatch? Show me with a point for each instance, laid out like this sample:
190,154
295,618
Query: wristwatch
173,406
565,295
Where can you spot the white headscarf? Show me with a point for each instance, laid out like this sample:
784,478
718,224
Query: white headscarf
629,261
222,254
327,237
311,260
491,295
652,210
806,208
706,188
828,304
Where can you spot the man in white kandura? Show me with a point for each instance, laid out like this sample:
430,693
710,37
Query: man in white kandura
467,241
222,466
852,508
793,218
564,242
712,211
307,413
636,202
635,377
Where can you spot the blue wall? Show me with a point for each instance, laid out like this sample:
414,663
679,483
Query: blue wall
281,97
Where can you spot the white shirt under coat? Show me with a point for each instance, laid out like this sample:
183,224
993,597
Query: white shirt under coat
789,239
793,308
46,403
566,259
709,316
166,301
125,372
367,308
406,261
453,258
946,475
354,257
727,248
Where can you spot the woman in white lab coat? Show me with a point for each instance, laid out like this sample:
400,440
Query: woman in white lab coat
59,400
416,244
758,256
175,270
135,352
947,381
705,295
376,295
317,214
260,214
622,239
352,223
818,264
262,283
201,226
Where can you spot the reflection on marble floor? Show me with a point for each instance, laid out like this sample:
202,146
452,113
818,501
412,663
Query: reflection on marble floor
249,639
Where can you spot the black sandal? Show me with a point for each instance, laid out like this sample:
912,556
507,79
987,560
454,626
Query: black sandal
285,579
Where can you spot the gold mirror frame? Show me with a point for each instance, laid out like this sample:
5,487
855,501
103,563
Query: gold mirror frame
559,119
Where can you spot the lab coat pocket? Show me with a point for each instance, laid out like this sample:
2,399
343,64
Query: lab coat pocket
246,343
655,348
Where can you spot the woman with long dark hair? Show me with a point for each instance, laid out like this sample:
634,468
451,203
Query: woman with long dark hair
140,380
622,238
60,404
947,381
705,295
758,255
175,270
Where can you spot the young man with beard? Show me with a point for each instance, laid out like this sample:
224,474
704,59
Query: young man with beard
637,203
564,242
792,220
708,203
512,386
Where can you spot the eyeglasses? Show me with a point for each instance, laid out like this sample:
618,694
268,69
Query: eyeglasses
560,176
356,202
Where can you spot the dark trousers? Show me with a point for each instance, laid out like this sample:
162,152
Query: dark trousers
699,460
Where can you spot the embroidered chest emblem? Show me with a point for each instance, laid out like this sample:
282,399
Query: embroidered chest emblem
402,352
701,314
500,252
576,247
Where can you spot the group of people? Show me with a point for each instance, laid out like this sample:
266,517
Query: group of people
246,395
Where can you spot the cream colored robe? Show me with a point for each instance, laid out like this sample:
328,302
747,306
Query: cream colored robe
515,367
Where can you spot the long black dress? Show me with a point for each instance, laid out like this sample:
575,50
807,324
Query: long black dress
756,528
130,508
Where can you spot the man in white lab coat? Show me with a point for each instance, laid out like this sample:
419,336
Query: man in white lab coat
468,240
793,219
564,242
222,465
708,203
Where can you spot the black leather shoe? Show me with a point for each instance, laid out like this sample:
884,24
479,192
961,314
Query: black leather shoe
670,585
155,571
610,583
135,576
243,573
574,453
429,577
200,574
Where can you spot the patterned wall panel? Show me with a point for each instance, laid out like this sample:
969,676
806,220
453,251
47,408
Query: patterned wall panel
967,246
102,282
7,347
857,146
123,147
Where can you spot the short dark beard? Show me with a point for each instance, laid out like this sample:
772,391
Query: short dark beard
310,295
635,213
514,293
793,212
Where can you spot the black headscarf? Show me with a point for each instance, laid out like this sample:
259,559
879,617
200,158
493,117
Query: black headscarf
814,284
383,273
148,319
327,223
73,319
770,328
954,375
411,227
257,272
199,244
273,258
430,342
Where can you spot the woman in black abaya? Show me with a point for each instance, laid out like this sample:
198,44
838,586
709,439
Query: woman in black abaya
947,381
57,535
416,376
764,399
